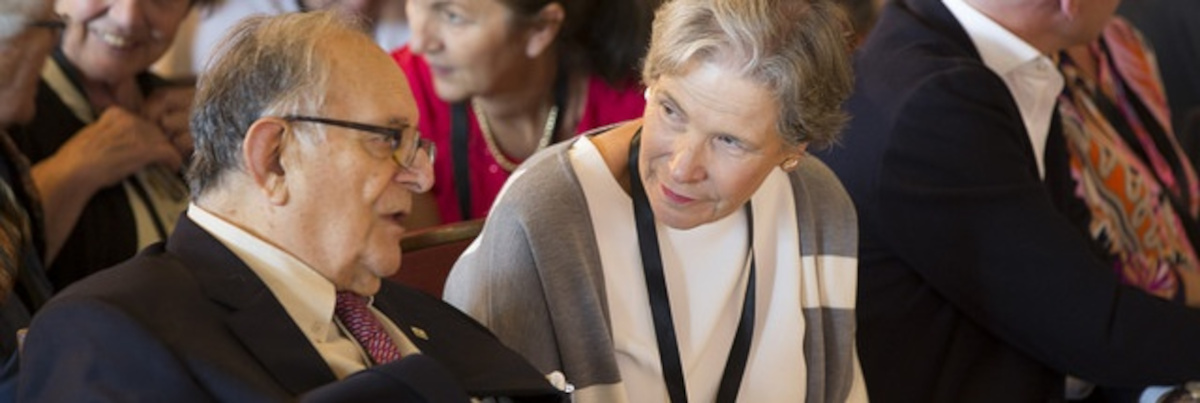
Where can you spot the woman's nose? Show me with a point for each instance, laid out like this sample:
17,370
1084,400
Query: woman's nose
687,163
421,38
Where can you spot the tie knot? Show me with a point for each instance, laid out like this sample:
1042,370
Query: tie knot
351,300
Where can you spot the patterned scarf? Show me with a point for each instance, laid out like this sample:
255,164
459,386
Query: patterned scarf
1138,184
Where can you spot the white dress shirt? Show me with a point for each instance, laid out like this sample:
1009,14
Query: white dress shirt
306,295
1031,77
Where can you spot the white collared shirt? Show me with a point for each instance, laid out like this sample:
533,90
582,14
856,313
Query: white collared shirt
306,295
1031,77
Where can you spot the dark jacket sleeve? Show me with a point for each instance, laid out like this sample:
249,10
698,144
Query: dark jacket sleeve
416,378
959,200
87,350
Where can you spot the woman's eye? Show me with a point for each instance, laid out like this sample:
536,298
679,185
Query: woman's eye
671,113
730,143
452,17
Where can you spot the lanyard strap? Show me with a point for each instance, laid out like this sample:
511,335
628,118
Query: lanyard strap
660,304
459,129
458,149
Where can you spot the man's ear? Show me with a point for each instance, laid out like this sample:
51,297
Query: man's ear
1069,8
544,29
262,149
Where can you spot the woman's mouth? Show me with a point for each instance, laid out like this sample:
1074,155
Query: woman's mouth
675,197
439,71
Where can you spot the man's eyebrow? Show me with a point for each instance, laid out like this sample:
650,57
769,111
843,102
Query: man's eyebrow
399,122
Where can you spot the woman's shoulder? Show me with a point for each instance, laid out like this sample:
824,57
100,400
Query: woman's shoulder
813,183
544,176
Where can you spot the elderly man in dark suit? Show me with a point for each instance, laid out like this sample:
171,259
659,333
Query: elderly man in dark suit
976,281
270,287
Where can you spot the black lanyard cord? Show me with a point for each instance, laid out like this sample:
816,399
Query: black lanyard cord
660,304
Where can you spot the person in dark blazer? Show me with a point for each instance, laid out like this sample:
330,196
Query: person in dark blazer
977,281
271,284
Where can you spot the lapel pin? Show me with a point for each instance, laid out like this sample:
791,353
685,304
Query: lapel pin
419,332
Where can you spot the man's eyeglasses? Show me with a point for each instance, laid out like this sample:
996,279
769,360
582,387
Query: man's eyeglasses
405,142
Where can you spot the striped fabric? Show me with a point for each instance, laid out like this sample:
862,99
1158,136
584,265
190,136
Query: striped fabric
1138,184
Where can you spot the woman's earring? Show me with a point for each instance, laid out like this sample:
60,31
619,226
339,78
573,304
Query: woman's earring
790,164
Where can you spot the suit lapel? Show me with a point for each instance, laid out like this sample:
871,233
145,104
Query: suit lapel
478,360
412,328
255,316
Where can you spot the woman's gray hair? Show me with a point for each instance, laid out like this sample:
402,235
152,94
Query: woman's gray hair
265,66
798,49
15,16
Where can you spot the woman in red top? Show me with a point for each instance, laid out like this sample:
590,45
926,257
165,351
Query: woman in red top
497,80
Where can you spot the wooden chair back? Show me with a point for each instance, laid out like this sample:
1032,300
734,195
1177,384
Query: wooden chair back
430,253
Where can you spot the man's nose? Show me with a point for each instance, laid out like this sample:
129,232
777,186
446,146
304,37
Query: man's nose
419,176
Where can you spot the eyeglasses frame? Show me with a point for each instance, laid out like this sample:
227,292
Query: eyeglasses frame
395,135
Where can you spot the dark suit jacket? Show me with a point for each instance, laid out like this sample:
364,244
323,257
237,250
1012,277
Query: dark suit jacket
975,283
188,321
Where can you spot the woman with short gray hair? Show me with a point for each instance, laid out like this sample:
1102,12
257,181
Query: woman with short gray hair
697,253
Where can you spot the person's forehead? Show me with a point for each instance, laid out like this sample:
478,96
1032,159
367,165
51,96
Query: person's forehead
362,76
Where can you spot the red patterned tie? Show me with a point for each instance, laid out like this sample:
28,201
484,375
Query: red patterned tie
352,310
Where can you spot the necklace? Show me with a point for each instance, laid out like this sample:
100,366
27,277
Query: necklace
505,163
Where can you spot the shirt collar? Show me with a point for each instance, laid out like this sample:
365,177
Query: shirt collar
58,80
306,295
1001,49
